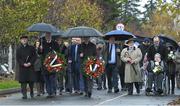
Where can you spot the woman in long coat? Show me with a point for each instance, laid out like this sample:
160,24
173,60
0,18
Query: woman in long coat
178,66
132,56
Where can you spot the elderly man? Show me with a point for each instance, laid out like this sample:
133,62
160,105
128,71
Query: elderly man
155,76
26,56
178,66
131,56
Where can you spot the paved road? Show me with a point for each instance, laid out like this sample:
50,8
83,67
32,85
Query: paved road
98,98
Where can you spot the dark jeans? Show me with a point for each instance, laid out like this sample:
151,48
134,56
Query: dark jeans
130,87
24,88
112,76
50,80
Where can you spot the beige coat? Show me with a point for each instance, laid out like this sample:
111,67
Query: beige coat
130,74
177,61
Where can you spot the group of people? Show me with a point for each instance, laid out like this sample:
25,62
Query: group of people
126,62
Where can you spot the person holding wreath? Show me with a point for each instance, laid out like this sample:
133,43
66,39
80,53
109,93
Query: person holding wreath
47,47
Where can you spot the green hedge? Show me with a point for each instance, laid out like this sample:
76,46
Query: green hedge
7,84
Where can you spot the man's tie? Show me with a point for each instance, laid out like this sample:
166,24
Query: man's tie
110,51
76,47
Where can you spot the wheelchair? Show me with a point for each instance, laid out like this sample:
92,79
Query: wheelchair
154,90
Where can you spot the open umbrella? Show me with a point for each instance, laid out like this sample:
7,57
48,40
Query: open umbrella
42,27
59,33
167,39
119,35
82,31
141,39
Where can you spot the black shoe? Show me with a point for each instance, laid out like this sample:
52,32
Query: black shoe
159,91
109,91
32,95
130,93
138,91
60,93
99,88
172,92
104,87
49,96
116,91
80,93
148,90
24,97
85,95
89,94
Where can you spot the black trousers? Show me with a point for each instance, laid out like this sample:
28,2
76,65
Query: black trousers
171,78
112,76
88,84
24,88
121,75
130,87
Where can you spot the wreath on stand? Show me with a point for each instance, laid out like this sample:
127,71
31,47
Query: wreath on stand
94,67
54,62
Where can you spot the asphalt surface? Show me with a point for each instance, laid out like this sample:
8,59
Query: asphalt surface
98,98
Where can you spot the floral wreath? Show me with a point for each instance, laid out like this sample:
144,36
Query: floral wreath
95,71
54,62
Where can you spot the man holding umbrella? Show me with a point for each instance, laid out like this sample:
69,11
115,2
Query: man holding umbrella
49,46
74,61
112,60
88,49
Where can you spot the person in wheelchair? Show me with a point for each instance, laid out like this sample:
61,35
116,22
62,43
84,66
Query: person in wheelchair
156,70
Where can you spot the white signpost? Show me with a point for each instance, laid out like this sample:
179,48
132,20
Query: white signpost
120,26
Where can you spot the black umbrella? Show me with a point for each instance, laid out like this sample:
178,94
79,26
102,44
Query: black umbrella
167,39
141,39
42,27
82,31
57,34
119,35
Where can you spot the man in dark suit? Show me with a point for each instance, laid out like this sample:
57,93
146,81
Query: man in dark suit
88,49
26,56
112,60
74,60
47,47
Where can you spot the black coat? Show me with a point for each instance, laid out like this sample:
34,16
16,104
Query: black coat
46,49
161,50
144,49
26,54
171,65
88,49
